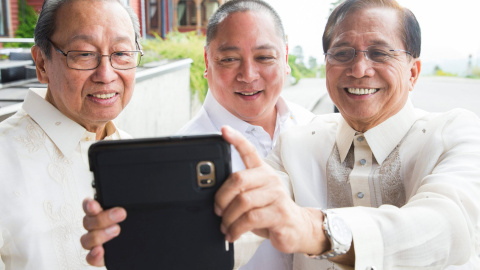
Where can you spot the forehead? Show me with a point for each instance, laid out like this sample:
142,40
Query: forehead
369,26
241,28
93,19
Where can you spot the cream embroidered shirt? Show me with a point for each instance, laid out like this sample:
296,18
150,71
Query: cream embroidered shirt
409,188
44,178
211,117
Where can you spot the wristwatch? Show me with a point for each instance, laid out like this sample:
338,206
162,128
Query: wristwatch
338,233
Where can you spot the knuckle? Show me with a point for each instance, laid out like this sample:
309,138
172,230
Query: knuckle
252,216
87,223
237,179
244,200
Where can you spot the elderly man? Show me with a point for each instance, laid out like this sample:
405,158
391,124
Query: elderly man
246,71
380,186
86,51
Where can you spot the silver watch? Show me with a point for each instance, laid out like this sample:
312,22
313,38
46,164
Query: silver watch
338,233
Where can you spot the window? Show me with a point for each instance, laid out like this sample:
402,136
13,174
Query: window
187,12
3,18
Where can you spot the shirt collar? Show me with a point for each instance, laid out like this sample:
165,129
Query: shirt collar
383,138
221,116
64,132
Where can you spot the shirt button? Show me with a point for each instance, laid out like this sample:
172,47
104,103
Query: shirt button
360,195
360,139
363,162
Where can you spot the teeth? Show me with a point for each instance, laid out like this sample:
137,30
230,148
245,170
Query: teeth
249,94
361,91
105,96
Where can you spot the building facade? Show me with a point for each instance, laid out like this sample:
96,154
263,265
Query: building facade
156,16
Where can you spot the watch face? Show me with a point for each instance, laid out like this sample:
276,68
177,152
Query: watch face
340,231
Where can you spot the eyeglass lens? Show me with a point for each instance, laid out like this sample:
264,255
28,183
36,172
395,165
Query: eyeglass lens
91,60
344,55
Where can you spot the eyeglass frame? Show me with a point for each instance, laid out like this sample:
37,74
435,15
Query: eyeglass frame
327,54
55,47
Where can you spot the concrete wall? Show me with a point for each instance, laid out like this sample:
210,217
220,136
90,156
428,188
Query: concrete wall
161,102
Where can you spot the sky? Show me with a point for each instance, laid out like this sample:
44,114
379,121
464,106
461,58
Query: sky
450,29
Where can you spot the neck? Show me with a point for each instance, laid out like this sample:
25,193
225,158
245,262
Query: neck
268,122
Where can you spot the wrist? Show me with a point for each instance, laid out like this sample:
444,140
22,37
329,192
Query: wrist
316,240
337,233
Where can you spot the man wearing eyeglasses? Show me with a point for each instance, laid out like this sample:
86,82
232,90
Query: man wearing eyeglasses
87,52
381,185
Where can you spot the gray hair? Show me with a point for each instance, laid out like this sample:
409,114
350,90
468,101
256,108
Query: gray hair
234,6
409,28
46,22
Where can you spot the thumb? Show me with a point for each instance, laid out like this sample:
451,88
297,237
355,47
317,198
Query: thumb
247,151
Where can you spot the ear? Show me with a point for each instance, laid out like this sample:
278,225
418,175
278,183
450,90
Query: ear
289,70
40,63
414,72
205,56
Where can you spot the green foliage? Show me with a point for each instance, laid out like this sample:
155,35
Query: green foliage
299,70
27,18
439,72
475,73
180,46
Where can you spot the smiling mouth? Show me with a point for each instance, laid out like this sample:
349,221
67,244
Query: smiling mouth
104,96
249,93
361,91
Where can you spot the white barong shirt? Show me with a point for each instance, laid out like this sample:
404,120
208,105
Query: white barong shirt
44,178
408,188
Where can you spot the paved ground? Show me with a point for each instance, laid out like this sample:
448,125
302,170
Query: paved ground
434,94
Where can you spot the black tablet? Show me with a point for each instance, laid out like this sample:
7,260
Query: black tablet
167,185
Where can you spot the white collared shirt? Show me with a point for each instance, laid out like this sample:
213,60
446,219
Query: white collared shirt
44,178
408,188
211,117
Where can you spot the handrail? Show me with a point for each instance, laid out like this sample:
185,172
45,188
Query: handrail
20,40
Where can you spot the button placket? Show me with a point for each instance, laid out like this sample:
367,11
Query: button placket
359,177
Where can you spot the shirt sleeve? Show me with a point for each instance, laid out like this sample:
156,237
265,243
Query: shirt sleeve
439,224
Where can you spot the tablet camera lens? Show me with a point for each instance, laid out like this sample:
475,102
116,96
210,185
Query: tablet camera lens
205,174
205,169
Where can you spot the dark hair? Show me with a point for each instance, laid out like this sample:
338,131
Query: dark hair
234,6
409,27
46,22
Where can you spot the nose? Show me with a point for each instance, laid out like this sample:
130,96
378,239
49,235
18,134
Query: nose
105,73
361,66
248,72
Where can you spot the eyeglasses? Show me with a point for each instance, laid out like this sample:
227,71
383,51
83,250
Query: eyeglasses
88,60
374,53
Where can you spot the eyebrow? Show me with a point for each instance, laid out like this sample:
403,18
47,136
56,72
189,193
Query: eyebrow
374,42
89,38
226,48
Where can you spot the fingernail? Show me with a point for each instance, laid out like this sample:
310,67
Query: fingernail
223,229
228,238
116,215
112,230
217,210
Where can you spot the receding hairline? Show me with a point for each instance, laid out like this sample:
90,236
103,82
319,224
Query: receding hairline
272,20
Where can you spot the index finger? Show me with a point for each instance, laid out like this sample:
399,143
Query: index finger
247,151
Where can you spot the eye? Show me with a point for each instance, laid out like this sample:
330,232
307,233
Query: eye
342,54
378,55
82,55
228,60
265,58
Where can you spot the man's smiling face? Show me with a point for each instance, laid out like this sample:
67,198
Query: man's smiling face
246,65
368,93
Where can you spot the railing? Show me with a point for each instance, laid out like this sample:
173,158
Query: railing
20,40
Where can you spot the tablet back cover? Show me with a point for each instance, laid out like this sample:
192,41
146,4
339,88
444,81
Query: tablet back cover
170,219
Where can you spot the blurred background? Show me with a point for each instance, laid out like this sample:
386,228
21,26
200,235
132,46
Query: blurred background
170,85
